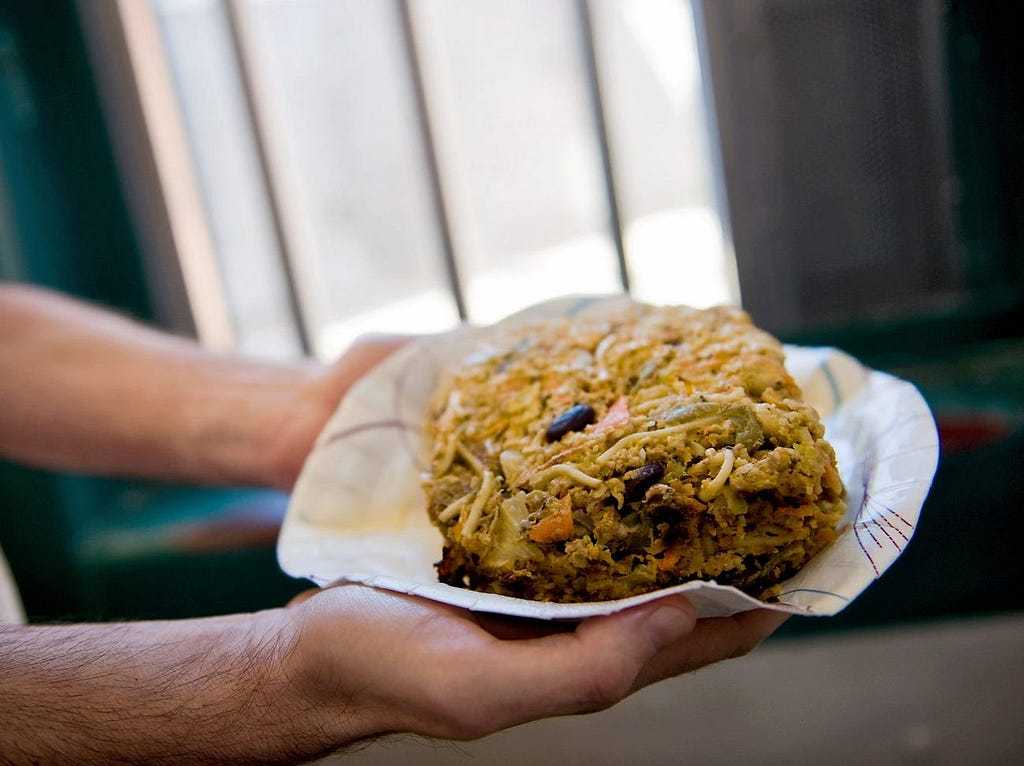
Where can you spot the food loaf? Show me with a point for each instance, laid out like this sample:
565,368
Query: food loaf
596,458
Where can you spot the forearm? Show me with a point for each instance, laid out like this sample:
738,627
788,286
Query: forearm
87,390
196,691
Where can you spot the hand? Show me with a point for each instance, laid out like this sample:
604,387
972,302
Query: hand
316,400
376,662
287,685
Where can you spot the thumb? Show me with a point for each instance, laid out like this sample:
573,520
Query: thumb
594,667
670,620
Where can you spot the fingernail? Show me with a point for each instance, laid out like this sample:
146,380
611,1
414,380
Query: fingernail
669,623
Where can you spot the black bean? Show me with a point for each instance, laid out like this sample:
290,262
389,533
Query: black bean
573,419
641,479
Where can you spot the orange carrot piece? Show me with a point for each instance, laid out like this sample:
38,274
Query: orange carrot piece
556,526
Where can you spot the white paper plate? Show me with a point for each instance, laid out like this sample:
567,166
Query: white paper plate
358,513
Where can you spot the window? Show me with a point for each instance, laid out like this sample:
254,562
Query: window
366,165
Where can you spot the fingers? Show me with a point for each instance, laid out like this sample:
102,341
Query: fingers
316,400
605,660
712,640
367,350
589,669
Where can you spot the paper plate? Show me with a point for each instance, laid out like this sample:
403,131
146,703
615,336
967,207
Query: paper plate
358,513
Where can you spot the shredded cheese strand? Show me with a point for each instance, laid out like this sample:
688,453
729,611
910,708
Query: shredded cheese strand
712,488
448,457
469,457
476,510
605,456
452,509
568,470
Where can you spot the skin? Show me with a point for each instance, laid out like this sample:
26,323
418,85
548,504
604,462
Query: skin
90,391
87,391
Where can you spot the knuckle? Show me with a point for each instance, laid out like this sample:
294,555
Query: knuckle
456,712
607,686
466,722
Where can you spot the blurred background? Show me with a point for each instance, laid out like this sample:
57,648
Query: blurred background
279,176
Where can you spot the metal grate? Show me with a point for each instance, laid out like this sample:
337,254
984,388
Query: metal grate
841,187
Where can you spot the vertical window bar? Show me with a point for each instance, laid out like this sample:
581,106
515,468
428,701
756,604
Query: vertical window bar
601,125
157,168
717,159
430,156
241,41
